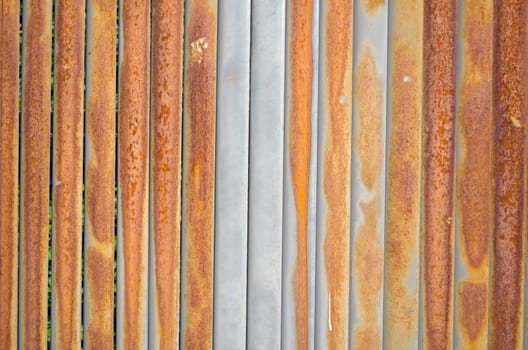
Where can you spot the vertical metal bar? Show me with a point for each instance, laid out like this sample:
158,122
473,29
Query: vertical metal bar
298,133
67,174
231,194
100,174
165,181
473,178
266,174
509,157
404,150
134,89
334,179
439,160
368,174
9,109
36,94
199,174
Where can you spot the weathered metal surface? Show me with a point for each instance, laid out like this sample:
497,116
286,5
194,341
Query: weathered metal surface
333,204
404,147
9,55
231,192
266,174
438,179
298,134
35,159
368,174
67,174
100,153
509,157
165,188
133,170
199,174
473,178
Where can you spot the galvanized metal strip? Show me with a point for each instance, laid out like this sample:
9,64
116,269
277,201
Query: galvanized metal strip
297,156
404,152
231,193
199,174
100,153
509,157
9,109
165,177
334,174
440,21
35,158
67,174
266,174
368,174
133,170
473,174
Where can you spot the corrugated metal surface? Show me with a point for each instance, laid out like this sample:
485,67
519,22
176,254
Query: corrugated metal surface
305,174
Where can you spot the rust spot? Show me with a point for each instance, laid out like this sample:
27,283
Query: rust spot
133,166
35,173
301,71
199,158
337,170
371,6
509,156
167,59
472,315
439,157
9,24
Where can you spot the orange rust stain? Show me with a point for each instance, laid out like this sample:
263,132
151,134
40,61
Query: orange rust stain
439,157
200,84
301,71
67,190
35,158
371,6
133,165
337,170
473,301
509,156
167,59
100,277
9,31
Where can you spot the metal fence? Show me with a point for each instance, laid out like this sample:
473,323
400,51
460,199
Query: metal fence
263,174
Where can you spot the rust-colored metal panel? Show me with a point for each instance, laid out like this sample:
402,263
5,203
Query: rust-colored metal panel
36,97
133,178
335,145
9,31
67,174
404,138
100,174
166,126
509,156
473,183
199,171
440,22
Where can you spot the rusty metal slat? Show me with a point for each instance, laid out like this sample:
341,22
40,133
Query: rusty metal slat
509,157
298,134
333,203
9,55
438,178
266,174
133,178
67,174
473,174
100,174
368,174
35,158
199,174
404,138
165,181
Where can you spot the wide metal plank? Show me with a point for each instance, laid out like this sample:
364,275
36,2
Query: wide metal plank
231,193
